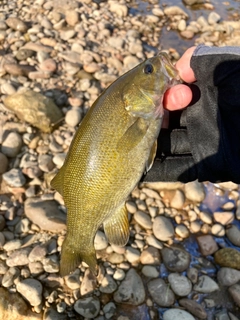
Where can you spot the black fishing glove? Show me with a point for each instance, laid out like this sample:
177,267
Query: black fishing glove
203,141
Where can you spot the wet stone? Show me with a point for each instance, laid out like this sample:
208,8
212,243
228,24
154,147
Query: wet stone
131,290
207,245
228,257
234,291
175,259
194,308
180,284
87,307
161,293
233,234
205,285
177,314
228,276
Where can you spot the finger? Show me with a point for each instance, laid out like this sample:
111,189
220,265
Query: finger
183,66
177,97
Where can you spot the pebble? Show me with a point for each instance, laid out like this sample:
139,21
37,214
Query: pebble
143,219
132,255
207,245
174,10
73,117
176,314
45,162
12,245
87,307
150,271
175,259
131,290
194,191
151,256
233,234
213,18
162,228
205,285
88,284
72,281
192,274
16,24
100,241
152,241
45,214
2,222
37,253
234,291
205,217
109,310
108,285
180,284
14,178
48,65
161,293
12,145
18,258
119,274
194,308
72,17
182,231
218,230
178,200
228,276
228,257
31,290
224,218
7,88
3,163
59,159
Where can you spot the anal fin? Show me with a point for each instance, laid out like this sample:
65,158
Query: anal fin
116,227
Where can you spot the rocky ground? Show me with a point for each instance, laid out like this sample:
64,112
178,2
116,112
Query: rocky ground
182,260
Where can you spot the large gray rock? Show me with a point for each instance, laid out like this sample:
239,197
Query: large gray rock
34,108
45,214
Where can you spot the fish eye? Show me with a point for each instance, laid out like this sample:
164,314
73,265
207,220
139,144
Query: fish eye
148,69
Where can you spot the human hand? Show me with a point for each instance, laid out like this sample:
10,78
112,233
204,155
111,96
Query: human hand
180,95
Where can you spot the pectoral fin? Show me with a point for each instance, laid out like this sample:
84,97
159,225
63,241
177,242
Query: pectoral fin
116,227
151,156
133,135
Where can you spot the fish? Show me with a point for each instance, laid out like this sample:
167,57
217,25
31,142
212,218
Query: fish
112,148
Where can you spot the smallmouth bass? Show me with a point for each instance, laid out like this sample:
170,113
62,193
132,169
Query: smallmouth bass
113,146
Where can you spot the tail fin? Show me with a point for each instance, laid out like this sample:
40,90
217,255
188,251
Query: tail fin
72,256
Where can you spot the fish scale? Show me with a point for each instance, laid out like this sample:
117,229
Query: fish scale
111,149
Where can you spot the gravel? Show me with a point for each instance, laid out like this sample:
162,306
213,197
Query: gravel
56,58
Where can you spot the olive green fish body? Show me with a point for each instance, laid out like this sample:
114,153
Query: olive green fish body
107,157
